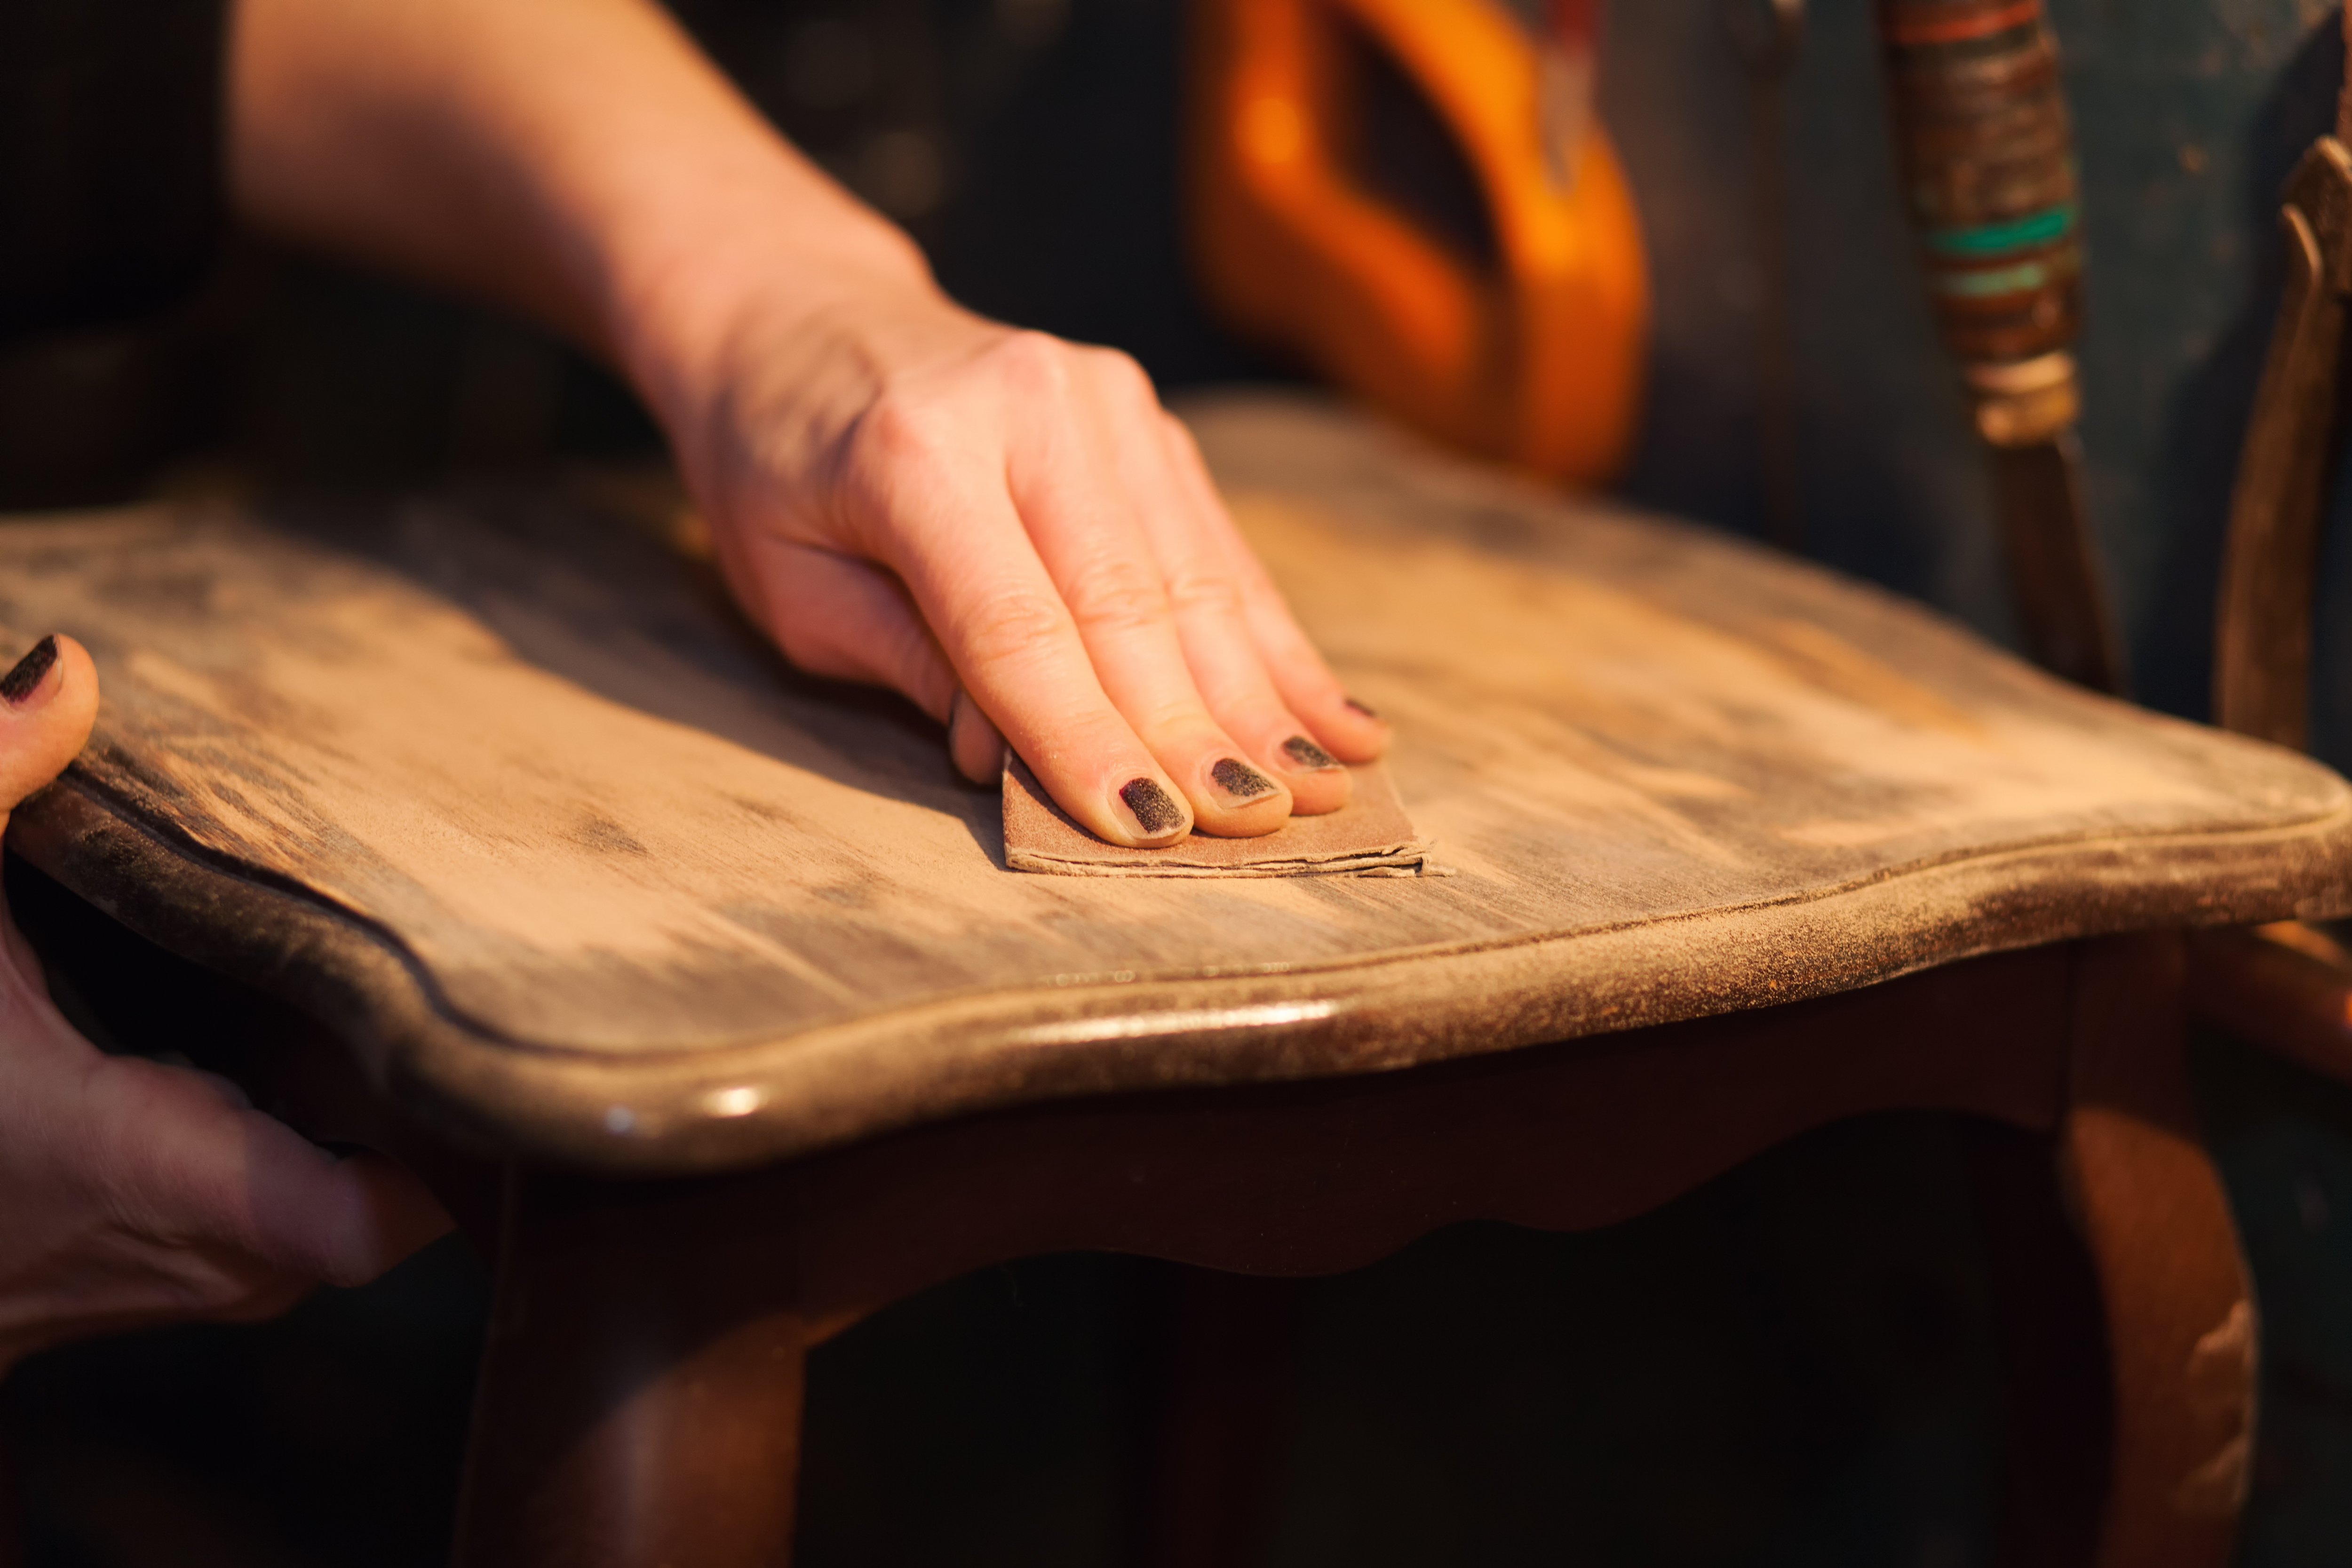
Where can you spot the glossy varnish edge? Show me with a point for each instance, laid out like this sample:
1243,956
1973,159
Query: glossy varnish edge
755,1103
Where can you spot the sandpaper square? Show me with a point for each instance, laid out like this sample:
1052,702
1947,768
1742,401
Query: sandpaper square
1371,836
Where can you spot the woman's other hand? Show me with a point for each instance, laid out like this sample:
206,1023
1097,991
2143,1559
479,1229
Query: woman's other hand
132,1193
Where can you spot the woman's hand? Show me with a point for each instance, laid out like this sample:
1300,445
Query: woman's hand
132,1193
1011,531
1005,527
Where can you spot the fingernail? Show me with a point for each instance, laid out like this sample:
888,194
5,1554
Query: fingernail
1153,810
1360,707
1308,754
21,682
1240,779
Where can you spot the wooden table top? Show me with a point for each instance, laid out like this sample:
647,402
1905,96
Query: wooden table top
497,783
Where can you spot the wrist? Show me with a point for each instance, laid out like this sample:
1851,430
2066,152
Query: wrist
762,267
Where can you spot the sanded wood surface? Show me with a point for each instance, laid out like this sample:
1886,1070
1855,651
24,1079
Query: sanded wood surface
500,784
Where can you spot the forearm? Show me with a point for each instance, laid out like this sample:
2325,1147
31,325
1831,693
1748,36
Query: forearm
578,160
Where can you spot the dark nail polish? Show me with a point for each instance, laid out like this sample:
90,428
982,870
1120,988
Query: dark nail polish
1240,779
1308,754
1152,808
1360,707
20,682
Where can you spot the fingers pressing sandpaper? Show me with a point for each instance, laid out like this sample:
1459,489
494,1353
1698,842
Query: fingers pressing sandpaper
1369,837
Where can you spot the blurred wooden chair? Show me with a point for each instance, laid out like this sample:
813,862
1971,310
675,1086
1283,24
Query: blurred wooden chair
2287,987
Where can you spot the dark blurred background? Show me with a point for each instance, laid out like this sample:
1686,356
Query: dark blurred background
1790,1365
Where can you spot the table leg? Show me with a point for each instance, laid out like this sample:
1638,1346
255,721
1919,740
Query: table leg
640,1400
2180,1325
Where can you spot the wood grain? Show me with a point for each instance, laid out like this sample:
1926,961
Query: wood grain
501,786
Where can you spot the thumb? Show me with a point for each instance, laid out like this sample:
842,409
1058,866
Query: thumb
47,704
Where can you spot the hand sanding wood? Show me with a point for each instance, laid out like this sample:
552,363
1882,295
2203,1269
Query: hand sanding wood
504,790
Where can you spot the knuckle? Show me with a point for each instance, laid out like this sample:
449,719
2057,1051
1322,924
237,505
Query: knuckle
899,465
1205,593
1126,376
1116,598
897,436
1013,626
1037,363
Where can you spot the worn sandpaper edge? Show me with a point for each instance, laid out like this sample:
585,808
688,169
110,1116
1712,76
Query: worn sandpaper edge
1412,855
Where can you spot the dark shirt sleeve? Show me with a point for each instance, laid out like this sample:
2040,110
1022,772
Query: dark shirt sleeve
111,148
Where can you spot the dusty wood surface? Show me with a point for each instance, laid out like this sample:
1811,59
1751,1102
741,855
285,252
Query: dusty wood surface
501,787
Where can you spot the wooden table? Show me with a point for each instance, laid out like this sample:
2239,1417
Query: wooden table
551,874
